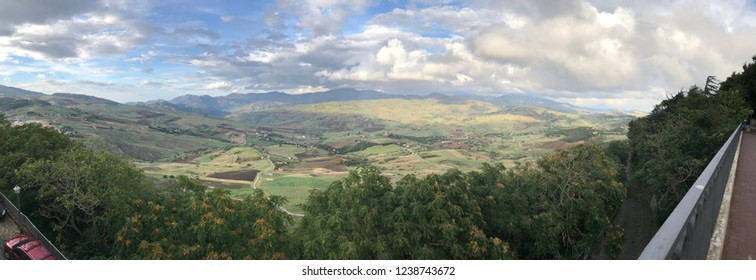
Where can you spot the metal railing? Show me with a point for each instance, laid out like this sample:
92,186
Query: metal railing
29,227
686,234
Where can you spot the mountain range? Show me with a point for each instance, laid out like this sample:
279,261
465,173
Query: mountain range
247,102
220,106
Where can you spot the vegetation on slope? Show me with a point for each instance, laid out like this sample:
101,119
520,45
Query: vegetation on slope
561,207
670,147
90,200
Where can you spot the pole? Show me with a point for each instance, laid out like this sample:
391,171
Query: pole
17,190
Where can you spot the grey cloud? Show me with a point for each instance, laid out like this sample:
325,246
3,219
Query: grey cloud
441,19
198,31
152,84
86,37
59,47
41,11
99,84
274,35
56,82
317,17
282,75
539,9
148,70
6,29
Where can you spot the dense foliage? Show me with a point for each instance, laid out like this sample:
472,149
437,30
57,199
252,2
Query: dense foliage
671,146
84,196
19,144
189,222
364,217
97,205
744,83
561,207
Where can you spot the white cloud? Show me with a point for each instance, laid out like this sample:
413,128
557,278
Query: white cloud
609,52
75,39
307,89
142,58
319,17
221,85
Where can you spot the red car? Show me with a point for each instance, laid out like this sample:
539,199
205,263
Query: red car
24,247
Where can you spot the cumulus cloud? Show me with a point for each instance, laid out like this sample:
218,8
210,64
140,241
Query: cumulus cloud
319,17
308,89
221,85
13,13
593,52
81,37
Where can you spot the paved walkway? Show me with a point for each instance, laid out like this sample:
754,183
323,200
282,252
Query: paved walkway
740,240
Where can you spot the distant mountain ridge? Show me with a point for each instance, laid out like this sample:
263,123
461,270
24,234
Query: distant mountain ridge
72,99
221,106
19,93
235,102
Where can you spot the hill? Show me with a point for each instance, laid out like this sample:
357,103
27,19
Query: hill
238,103
18,93
131,131
222,105
72,99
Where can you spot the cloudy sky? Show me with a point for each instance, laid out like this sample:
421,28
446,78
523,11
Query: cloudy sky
604,53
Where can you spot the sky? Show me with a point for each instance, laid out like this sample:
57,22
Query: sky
604,53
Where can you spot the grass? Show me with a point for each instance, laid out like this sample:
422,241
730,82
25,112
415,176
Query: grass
452,158
379,150
295,188
285,151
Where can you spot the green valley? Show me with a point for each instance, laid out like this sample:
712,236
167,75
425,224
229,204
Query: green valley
289,150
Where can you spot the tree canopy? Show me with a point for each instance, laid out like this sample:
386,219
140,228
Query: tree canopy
189,222
19,144
672,145
561,207
83,196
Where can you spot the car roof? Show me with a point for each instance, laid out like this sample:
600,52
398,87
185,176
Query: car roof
15,240
37,251
33,248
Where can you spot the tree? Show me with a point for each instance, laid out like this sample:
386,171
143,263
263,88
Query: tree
348,220
560,208
744,83
364,217
84,196
444,219
671,146
19,144
189,222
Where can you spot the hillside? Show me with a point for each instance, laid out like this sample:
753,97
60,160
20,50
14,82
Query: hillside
288,144
18,93
221,105
72,99
239,103
131,131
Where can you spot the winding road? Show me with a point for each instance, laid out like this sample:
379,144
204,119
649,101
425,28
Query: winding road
257,178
